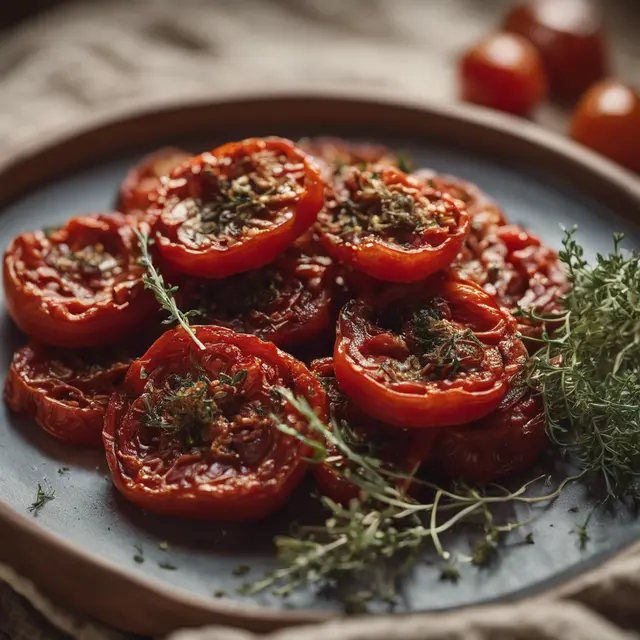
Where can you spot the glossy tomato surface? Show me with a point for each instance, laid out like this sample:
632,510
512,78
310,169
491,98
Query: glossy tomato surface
237,207
79,285
66,391
334,153
506,441
390,226
503,72
287,302
433,354
569,36
139,189
519,271
190,434
607,119
402,450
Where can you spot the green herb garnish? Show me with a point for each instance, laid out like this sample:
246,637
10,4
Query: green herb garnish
164,294
383,524
588,370
139,554
44,494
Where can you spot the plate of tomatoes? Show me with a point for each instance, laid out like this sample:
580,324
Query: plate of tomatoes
298,356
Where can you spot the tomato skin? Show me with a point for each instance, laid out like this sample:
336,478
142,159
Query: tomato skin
156,471
222,255
139,189
482,210
287,302
64,305
63,391
568,35
503,72
429,250
505,442
607,119
403,450
360,353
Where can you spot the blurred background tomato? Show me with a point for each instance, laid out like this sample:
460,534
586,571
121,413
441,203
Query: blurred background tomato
62,61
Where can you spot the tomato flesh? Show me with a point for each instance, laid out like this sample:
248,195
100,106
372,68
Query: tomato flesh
190,433
504,442
429,355
66,391
403,450
139,190
237,207
79,285
390,226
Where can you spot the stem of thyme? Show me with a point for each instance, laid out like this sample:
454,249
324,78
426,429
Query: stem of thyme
164,294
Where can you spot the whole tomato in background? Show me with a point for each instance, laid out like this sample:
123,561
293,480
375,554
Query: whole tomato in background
607,119
503,72
569,36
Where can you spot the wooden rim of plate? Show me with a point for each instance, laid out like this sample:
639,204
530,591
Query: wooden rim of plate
123,598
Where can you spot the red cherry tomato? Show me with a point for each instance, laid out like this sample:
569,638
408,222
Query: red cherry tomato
429,355
568,35
390,226
334,153
80,285
190,433
236,208
503,72
607,119
140,187
402,450
504,442
287,302
66,391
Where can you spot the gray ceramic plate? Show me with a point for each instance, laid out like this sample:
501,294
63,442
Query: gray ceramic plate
85,540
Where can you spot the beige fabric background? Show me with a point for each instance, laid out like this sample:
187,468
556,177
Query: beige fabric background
98,57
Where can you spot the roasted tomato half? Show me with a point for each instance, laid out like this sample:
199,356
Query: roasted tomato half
236,208
403,450
287,302
500,444
190,433
389,225
334,153
80,285
482,210
140,187
66,391
515,267
429,355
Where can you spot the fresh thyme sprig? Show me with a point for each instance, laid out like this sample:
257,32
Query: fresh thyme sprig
588,370
44,494
164,294
380,533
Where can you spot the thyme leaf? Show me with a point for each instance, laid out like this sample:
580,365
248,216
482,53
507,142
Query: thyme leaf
44,494
377,536
165,295
588,370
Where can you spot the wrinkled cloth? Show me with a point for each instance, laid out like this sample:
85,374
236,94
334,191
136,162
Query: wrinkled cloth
87,59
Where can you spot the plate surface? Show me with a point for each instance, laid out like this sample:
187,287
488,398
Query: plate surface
102,532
